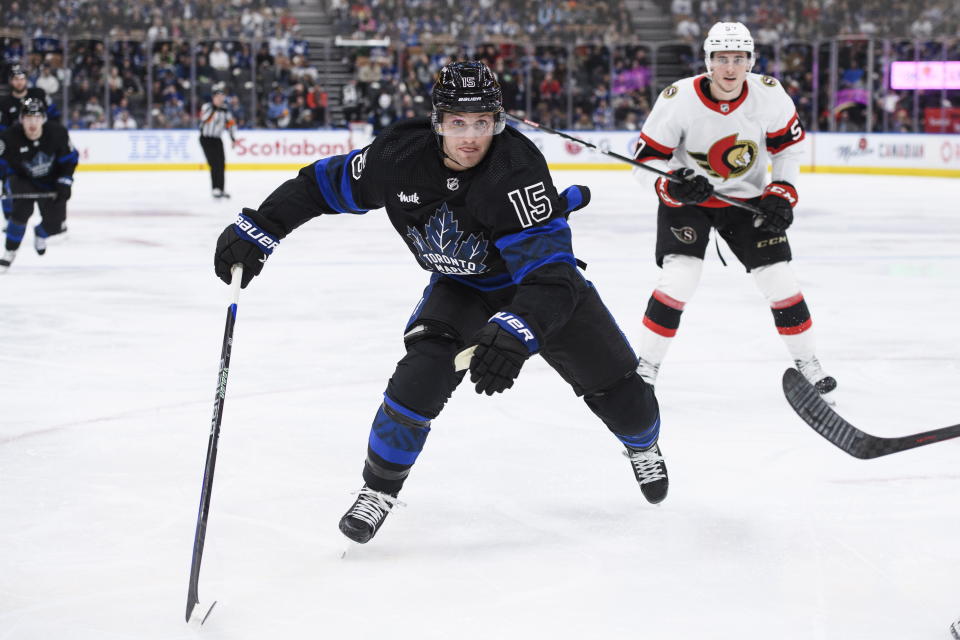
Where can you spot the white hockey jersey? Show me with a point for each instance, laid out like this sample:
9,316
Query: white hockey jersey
729,142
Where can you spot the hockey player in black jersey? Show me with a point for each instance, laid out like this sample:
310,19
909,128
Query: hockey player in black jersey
10,110
475,203
37,157
19,93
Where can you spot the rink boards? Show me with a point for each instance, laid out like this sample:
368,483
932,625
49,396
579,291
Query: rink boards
178,150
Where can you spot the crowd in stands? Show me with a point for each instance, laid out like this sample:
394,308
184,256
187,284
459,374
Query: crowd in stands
137,64
417,22
567,64
772,22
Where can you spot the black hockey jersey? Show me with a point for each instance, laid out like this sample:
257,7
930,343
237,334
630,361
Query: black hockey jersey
498,224
45,161
10,107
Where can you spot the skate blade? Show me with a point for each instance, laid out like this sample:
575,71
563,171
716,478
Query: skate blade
348,549
200,614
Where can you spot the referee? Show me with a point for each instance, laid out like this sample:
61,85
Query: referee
214,118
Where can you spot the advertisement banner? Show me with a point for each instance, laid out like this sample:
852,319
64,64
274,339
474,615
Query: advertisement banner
941,119
890,153
178,149
159,150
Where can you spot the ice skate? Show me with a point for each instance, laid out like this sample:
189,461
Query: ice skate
362,521
815,374
217,193
7,260
650,471
40,244
648,371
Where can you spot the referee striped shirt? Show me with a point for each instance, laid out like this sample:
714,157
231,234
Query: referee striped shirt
213,121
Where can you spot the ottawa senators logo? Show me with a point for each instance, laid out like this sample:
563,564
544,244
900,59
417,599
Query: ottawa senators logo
770,82
670,91
686,235
728,157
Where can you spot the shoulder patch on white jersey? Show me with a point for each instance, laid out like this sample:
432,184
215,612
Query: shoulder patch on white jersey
769,81
670,91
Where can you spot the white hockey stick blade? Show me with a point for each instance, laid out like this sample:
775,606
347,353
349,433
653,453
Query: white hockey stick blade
200,614
462,361
350,546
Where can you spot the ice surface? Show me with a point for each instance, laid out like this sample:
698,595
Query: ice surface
523,519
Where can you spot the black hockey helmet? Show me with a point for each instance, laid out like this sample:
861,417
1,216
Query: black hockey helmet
467,87
33,107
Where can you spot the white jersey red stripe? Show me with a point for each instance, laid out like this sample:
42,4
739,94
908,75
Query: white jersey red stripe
729,142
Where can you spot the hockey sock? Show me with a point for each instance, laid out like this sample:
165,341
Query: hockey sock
396,439
643,440
14,235
790,313
678,282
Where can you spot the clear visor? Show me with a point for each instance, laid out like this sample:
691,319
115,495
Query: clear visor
468,125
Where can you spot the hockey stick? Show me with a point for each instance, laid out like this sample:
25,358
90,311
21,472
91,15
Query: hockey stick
193,599
669,176
808,404
30,196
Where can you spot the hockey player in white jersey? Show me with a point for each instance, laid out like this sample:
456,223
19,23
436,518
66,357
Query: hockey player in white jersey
719,131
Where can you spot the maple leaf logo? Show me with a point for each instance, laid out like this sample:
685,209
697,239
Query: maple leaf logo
442,249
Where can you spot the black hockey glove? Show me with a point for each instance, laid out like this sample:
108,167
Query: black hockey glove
250,241
64,189
503,345
693,189
777,203
574,198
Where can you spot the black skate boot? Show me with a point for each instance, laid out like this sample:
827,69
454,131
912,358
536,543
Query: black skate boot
7,260
362,521
815,374
651,472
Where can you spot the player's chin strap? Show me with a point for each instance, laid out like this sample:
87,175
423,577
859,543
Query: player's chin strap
758,214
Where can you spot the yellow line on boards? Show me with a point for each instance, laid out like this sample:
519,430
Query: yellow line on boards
886,171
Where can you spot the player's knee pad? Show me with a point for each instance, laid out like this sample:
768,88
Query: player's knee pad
776,282
627,407
680,276
425,376
430,330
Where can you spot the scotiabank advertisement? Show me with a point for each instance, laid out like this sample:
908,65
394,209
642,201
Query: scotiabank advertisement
160,149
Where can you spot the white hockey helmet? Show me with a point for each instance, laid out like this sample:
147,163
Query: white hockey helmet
728,36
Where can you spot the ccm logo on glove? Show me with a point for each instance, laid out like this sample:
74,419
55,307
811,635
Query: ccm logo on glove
784,190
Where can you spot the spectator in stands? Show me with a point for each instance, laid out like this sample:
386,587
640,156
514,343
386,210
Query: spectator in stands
124,120
47,81
317,102
278,113
220,62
